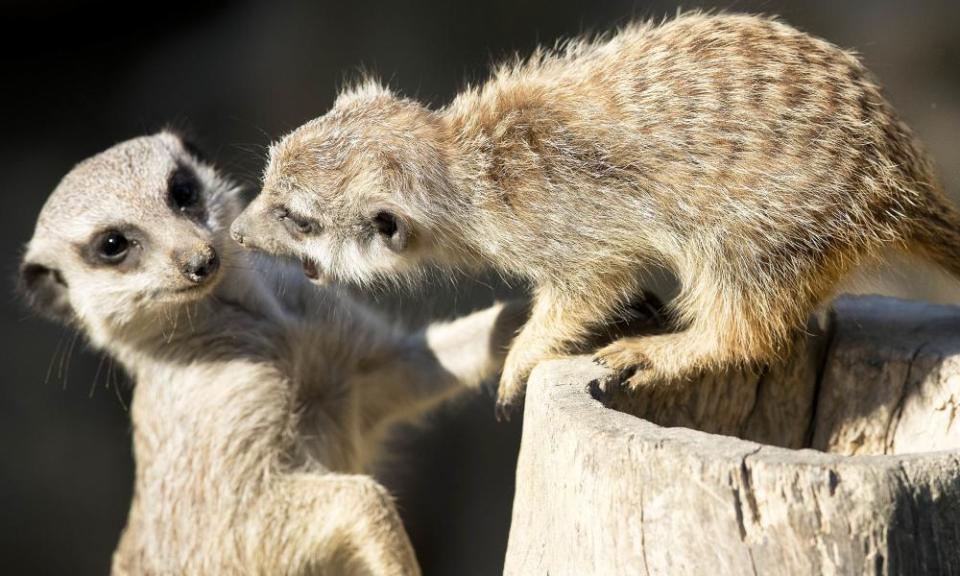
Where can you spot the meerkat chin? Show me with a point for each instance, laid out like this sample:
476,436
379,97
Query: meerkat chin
260,401
760,164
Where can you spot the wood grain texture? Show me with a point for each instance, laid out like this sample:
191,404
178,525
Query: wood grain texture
600,491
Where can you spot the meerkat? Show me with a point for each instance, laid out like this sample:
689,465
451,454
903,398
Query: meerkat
761,165
259,401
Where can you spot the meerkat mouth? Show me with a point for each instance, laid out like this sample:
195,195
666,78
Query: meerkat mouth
193,292
310,269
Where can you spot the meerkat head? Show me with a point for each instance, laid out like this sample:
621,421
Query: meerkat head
354,194
127,235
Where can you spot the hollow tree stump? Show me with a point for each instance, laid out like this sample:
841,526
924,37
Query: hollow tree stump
724,481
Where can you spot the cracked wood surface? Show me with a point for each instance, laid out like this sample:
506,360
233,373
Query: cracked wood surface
600,491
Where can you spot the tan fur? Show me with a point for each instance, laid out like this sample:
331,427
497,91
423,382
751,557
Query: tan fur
260,400
758,163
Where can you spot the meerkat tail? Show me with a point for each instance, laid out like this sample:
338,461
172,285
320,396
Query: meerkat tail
926,267
899,273
938,233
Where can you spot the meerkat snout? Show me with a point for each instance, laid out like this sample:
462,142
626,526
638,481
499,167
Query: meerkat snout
236,232
198,264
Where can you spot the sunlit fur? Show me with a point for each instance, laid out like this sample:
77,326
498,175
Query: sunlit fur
260,400
757,163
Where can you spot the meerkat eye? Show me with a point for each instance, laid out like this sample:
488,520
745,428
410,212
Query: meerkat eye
293,223
183,190
303,226
112,247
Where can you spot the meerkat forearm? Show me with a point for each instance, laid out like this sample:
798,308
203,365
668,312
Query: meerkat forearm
560,318
442,361
472,349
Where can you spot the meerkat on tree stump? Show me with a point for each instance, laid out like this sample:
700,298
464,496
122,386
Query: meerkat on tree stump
761,165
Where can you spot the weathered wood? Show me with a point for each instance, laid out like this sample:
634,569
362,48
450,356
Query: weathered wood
892,379
600,491
774,406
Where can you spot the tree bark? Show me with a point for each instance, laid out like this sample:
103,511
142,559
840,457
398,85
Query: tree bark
724,482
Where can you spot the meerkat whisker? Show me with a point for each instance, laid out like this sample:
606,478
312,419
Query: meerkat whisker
65,360
96,375
53,357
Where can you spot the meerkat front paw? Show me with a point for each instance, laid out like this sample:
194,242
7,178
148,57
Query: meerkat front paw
628,359
622,355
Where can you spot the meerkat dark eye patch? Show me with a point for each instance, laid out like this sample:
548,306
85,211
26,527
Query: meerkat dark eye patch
45,291
302,225
385,223
184,192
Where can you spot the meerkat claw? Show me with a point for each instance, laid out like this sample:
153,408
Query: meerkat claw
639,379
620,357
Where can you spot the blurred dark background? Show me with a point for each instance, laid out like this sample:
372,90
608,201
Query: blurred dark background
79,77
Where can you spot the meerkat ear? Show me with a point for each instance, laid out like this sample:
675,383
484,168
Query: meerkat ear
46,291
393,228
194,150
189,143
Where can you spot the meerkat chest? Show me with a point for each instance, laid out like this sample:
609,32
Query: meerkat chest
189,416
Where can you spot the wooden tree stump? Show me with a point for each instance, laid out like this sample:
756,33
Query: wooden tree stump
737,489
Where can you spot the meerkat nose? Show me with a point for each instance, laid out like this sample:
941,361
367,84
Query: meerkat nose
201,265
236,232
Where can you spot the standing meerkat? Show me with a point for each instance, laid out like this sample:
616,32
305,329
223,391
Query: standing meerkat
761,165
260,401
